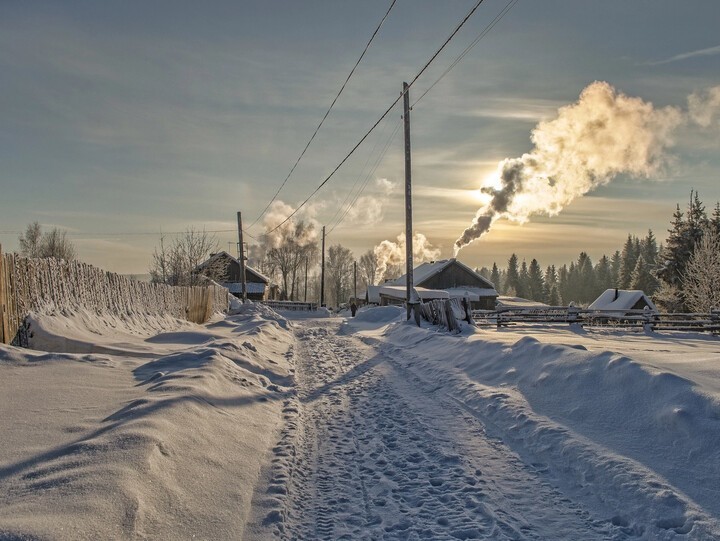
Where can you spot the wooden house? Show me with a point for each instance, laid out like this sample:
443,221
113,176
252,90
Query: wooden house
225,269
455,278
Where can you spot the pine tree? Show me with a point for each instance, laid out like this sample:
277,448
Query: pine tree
512,281
586,279
554,296
641,277
523,287
551,280
564,283
676,251
603,278
536,282
628,260
715,220
495,277
615,264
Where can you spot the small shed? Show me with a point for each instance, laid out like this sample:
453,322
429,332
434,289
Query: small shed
623,300
455,278
225,269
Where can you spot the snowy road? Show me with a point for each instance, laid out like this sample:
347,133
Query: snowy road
370,451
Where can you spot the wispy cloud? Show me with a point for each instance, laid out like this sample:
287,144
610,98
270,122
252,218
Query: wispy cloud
710,51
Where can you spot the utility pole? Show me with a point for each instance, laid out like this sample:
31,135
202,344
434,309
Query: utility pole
306,273
355,282
408,201
322,272
241,251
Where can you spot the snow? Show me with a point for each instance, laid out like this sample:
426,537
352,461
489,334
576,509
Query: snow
621,299
262,425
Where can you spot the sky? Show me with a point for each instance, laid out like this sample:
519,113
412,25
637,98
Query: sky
122,120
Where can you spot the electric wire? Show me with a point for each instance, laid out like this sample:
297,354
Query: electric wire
482,34
382,117
361,173
352,71
368,177
135,233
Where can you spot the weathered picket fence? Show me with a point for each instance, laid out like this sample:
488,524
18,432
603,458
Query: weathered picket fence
291,305
646,319
54,285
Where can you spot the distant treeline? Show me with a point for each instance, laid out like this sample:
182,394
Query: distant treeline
670,273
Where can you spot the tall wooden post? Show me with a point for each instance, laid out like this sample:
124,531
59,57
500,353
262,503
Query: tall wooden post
241,251
322,271
355,282
306,273
408,201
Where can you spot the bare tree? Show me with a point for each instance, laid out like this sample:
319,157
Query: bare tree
339,270
177,264
54,243
701,280
287,256
31,240
368,268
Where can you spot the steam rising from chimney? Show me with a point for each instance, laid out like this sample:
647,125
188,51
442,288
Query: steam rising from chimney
276,214
391,255
603,134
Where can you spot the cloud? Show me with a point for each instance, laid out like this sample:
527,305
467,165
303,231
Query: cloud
710,51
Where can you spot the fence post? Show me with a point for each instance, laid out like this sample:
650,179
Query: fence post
4,327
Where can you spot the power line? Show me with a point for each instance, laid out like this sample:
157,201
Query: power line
362,172
367,179
352,71
482,34
134,233
387,111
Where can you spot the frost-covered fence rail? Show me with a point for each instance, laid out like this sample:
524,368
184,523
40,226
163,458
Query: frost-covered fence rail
291,305
647,319
53,285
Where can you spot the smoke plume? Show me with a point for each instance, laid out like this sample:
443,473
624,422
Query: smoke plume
391,255
704,107
303,232
603,134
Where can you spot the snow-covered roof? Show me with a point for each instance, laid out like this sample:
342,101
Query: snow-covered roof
426,270
473,294
213,257
399,292
621,299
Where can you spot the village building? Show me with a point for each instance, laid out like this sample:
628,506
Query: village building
622,301
225,269
448,278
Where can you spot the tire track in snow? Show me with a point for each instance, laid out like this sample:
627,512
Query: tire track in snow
371,452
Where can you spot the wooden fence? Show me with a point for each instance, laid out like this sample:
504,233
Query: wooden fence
56,286
291,305
646,319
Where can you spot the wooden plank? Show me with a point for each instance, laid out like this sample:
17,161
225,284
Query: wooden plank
3,301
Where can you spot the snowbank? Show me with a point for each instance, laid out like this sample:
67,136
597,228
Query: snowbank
168,446
633,438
